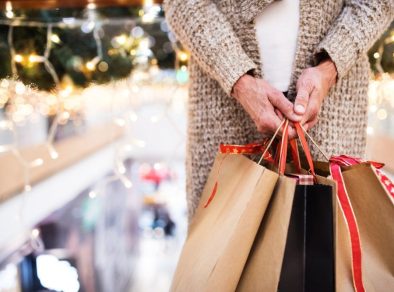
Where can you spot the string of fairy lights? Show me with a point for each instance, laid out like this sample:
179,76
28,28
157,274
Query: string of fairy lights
55,102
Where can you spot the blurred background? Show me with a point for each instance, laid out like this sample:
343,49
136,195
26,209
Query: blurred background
93,99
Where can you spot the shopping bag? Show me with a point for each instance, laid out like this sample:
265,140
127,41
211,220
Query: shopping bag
293,249
222,232
308,263
263,267
365,240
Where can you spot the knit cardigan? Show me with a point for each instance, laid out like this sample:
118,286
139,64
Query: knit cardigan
220,36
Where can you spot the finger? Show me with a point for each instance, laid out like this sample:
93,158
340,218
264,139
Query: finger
279,101
274,123
310,124
269,122
279,114
312,109
292,133
304,90
301,101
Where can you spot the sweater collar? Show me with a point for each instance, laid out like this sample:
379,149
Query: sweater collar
251,8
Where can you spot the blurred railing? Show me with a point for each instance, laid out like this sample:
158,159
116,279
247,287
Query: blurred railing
70,150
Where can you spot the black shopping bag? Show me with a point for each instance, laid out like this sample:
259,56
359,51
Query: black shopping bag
308,263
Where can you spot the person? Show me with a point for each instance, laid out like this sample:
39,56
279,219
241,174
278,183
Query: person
251,59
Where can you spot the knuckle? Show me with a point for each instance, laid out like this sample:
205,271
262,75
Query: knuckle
307,83
302,97
287,107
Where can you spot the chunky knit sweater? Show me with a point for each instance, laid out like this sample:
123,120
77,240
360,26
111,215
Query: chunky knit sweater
221,38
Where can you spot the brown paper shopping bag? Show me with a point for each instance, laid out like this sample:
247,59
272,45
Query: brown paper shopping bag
373,207
293,249
220,235
262,270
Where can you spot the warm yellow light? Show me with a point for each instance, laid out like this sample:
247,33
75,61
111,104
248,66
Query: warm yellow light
8,5
18,58
52,152
9,14
183,56
34,58
8,8
103,66
121,39
4,83
91,6
20,88
55,38
376,55
37,162
381,114
65,116
90,66
68,89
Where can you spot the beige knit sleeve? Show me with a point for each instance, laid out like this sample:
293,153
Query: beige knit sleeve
206,33
359,24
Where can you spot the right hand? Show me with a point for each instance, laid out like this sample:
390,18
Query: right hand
261,101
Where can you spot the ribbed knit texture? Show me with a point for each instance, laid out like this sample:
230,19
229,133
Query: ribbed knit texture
221,38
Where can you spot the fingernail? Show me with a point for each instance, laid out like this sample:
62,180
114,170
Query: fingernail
299,109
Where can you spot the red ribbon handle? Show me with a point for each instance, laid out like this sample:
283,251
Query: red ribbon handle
305,147
350,218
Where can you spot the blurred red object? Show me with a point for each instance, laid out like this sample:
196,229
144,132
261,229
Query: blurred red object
155,174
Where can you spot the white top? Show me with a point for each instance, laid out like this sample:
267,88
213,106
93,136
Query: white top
276,32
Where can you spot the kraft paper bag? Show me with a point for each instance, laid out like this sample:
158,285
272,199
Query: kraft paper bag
373,207
221,235
263,267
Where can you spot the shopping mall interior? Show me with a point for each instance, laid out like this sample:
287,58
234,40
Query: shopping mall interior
93,127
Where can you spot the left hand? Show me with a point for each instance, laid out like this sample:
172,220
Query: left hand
312,87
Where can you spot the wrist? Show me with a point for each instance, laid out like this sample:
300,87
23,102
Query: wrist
329,71
240,84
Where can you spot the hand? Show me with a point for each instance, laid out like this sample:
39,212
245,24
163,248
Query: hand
312,87
260,100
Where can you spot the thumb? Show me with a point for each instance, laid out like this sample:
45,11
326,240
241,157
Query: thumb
304,90
301,101
279,101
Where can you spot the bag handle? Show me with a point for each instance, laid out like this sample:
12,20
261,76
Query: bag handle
305,147
294,154
283,148
304,144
